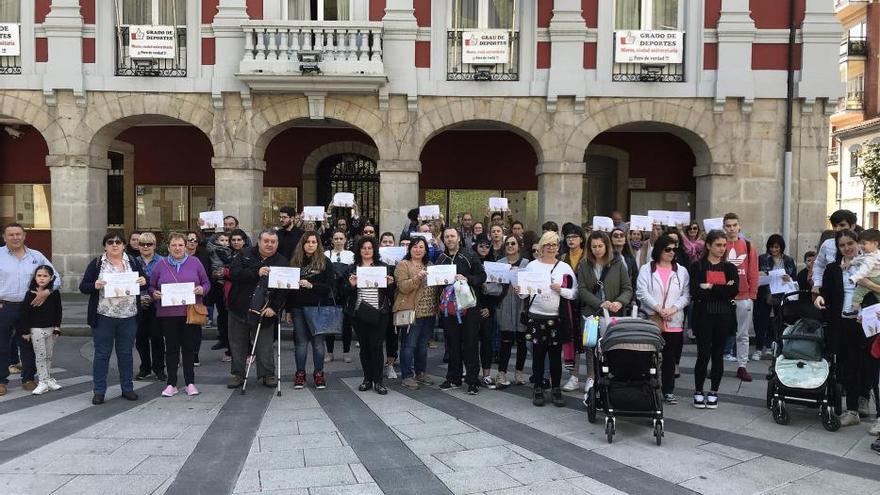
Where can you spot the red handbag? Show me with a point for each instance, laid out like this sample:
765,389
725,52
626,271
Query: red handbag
875,348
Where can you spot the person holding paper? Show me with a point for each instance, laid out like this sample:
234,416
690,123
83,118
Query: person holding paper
251,300
603,283
316,289
461,330
742,254
766,329
414,294
487,300
846,338
340,259
369,309
714,285
113,319
545,327
507,317
177,268
150,342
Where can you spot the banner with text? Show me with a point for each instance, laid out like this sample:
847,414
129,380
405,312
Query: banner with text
151,41
648,47
490,46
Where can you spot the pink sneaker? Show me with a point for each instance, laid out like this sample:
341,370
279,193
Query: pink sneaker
170,391
192,390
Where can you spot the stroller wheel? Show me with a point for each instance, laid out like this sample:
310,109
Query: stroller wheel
609,429
780,414
770,391
830,421
658,432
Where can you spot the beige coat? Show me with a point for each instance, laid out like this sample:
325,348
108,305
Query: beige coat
409,287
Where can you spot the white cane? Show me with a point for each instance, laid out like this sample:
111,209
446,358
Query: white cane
250,359
278,366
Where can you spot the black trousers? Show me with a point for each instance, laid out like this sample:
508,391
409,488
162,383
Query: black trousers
674,343
858,371
508,339
539,353
330,340
712,332
487,331
461,342
150,343
371,338
222,317
392,340
179,341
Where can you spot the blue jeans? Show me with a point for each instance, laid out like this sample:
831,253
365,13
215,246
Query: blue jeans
110,333
302,337
415,347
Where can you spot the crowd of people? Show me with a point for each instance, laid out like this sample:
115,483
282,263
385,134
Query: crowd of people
711,288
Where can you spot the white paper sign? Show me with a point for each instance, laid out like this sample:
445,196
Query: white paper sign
498,204
648,47
641,222
313,214
659,216
680,217
710,224
121,284
10,40
151,41
870,320
605,224
487,46
425,235
178,294
343,199
533,283
283,277
391,255
777,283
211,220
498,273
429,212
372,277
441,274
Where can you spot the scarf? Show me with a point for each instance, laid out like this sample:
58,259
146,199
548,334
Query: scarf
635,245
177,264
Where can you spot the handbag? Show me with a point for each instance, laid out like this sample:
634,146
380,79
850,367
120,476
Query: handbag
656,318
404,317
591,331
323,320
196,314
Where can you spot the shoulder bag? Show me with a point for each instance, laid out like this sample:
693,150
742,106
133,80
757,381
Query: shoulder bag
196,314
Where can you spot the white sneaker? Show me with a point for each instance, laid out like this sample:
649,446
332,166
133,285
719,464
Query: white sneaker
42,388
390,373
571,385
756,356
53,385
588,384
488,382
875,428
501,379
849,418
730,357
328,358
519,377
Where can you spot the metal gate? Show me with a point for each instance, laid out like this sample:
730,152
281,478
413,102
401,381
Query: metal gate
352,173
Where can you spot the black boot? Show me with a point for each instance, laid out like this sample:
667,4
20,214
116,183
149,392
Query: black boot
557,397
539,397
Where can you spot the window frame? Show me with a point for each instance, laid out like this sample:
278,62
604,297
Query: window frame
646,16
352,12
482,17
155,16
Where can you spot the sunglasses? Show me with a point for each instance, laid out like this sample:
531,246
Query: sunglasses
512,244
669,249
146,244
192,239
483,246
116,242
693,228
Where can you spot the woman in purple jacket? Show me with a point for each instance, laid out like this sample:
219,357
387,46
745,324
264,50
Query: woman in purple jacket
178,267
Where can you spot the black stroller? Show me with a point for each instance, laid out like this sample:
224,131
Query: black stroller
627,360
803,370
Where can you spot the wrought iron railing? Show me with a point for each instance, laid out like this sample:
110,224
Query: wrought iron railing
854,46
160,67
10,65
456,70
649,72
355,174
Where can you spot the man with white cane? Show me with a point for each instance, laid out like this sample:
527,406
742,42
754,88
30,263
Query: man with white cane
252,306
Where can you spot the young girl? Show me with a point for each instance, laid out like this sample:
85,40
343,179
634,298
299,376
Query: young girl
41,325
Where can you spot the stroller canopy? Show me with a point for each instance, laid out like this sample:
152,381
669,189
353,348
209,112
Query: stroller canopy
804,340
633,334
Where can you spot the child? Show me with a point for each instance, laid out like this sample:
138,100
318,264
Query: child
41,325
866,265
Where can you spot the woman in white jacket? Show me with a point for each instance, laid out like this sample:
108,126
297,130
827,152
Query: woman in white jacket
663,291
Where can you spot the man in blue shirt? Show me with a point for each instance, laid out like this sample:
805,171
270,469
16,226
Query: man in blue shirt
17,266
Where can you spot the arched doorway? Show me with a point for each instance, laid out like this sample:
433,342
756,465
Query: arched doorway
352,173
25,190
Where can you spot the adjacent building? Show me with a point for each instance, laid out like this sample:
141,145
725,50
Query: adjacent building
140,114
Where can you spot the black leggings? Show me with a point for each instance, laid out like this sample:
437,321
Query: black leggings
330,340
539,353
487,329
711,332
392,340
674,341
507,341
179,337
371,338
858,371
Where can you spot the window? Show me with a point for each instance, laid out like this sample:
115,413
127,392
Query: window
484,14
153,12
642,201
647,15
854,163
320,10
454,202
273,199
27,204
162,208
10,11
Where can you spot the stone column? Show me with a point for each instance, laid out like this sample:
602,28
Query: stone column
64,26
79,213
736,33
567,31
560,191
238,190
398,192
229,45
398,49
718,190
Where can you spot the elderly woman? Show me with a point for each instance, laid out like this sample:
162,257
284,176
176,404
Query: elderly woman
113,318
150,343
177,268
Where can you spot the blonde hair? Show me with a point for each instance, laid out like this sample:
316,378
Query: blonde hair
547,238
147,237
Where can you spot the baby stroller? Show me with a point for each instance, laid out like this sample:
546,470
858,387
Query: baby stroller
627,360
803,370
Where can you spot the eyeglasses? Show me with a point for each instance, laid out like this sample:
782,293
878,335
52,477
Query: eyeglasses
486,246
512,244
669,249
116,242
146,244
552,246
192,239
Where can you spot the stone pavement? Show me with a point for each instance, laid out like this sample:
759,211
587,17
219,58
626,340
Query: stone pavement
341,441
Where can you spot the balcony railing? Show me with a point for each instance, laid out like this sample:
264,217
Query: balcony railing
456,70
158,67
853,46
854,100
664,73
10,65
833,159
346,48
